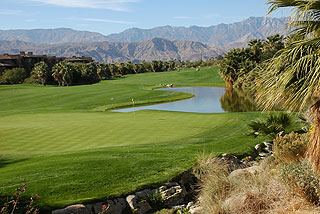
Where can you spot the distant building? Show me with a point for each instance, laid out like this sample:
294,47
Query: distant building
82,59
27,61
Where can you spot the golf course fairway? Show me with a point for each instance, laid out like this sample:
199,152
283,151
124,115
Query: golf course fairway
65,144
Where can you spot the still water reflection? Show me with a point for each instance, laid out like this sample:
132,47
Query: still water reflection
206,100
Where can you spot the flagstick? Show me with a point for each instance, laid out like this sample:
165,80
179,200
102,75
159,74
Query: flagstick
134,112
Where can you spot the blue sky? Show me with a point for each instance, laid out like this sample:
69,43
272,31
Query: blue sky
113,16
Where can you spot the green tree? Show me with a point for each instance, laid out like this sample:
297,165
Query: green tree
62,73
13,76
89,73
272,45
256,47
114,69
236,63
293,76
41,71
103,71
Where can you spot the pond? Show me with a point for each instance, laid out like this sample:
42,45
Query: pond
206,100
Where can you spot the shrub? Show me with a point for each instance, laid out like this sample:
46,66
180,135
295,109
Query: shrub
270,125
290,148
13,76
15,203
215,184
173,211
302,180
32,80
249,192
155,200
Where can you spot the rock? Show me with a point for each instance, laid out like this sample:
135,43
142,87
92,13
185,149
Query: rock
73,209
195,210
232,161
264,154
98,207
268,147
281,134
305,129
179,206
117,206
258,147
144,193
172,194
253,170
140,205
189,181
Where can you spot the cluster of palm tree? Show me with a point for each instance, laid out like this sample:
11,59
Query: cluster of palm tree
293,75
238,63
66,73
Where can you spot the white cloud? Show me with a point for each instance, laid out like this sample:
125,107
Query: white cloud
101,20
117,5
29,20
9,12
182,17
210,16
107,21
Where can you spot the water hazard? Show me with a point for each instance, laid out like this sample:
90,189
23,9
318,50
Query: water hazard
206,100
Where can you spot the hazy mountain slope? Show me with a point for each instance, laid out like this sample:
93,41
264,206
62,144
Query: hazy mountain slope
51,36
219,35
224,35
154,49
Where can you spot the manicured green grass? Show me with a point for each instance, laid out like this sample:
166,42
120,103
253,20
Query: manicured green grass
104,95
69,150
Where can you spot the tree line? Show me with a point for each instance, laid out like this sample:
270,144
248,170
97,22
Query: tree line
67,73
239,66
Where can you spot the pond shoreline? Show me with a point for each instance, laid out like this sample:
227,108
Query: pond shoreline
204,100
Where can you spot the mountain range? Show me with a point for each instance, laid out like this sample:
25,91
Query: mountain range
160,43
153,49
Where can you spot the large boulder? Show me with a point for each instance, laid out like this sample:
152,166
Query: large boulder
232,161
73,209
138,204
268,147
253,170
172,194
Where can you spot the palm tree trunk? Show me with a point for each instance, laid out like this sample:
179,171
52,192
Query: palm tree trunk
313,148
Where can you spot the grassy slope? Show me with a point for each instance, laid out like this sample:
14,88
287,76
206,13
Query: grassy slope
69,153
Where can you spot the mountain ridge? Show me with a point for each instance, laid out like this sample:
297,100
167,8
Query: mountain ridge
222,35
110,52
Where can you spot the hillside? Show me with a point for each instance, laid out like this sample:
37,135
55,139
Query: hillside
222,35
153,49
51,36
227,35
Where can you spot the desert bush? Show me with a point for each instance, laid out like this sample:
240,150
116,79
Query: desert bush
15,204
270,124
249,193
215,184
290,148
13,76
173,211
302,180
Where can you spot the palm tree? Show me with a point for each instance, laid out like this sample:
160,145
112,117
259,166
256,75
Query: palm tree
256,47
235,64
273,43
41,70
62,72
293,76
